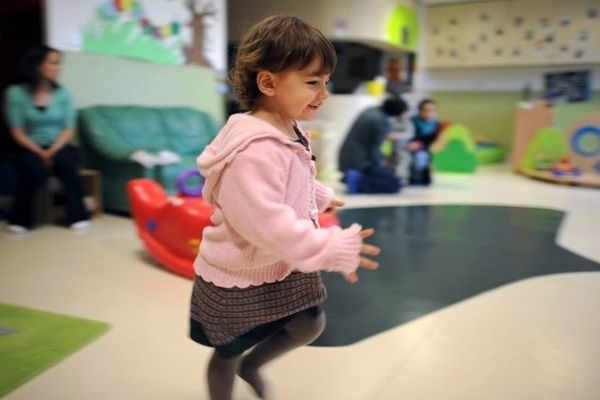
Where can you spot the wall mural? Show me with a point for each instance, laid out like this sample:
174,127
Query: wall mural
125,28
513,32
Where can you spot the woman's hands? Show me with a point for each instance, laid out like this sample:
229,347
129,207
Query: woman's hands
366,250
46,156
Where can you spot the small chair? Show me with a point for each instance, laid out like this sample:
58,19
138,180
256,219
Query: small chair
92,189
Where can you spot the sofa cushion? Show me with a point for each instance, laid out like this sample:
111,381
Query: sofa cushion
139,127
187,131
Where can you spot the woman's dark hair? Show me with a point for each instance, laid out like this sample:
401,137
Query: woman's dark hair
394,106
276,44
27,72
424,102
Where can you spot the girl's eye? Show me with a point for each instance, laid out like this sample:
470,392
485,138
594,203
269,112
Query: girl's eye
312,83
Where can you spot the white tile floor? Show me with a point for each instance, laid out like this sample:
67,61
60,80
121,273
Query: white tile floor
534,339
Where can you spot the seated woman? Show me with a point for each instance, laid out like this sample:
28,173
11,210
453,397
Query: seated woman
41,118
426,131
360,157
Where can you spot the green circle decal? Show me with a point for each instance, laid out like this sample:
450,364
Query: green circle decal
403,27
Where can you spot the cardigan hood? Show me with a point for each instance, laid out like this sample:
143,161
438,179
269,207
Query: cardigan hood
239,131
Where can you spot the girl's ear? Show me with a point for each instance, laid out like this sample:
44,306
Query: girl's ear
265,81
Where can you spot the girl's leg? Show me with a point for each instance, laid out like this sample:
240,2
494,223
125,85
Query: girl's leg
221,372
300,331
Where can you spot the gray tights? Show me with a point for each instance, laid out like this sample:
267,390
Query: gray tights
303,329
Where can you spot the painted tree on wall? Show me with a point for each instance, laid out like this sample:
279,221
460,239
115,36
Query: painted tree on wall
194,53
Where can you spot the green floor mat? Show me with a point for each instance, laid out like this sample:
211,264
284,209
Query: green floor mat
32,341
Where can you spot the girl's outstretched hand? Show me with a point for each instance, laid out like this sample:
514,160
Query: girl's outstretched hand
334,204
369,250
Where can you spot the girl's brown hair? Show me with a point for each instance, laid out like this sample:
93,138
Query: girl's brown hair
275,44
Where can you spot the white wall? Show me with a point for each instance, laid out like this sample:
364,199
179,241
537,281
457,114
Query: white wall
62,31
497,79
102,80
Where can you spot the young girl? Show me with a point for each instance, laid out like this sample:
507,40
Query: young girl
257,282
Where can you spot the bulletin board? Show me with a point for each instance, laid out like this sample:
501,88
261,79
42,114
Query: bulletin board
513,32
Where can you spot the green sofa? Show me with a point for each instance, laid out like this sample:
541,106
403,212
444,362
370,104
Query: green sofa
109,135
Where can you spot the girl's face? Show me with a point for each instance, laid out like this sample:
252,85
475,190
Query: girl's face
300,93
50,68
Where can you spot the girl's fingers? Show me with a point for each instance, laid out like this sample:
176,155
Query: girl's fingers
368,264
367,249
370,250
351,277
365,233
337,203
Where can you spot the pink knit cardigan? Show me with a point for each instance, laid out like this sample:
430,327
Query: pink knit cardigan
262,185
